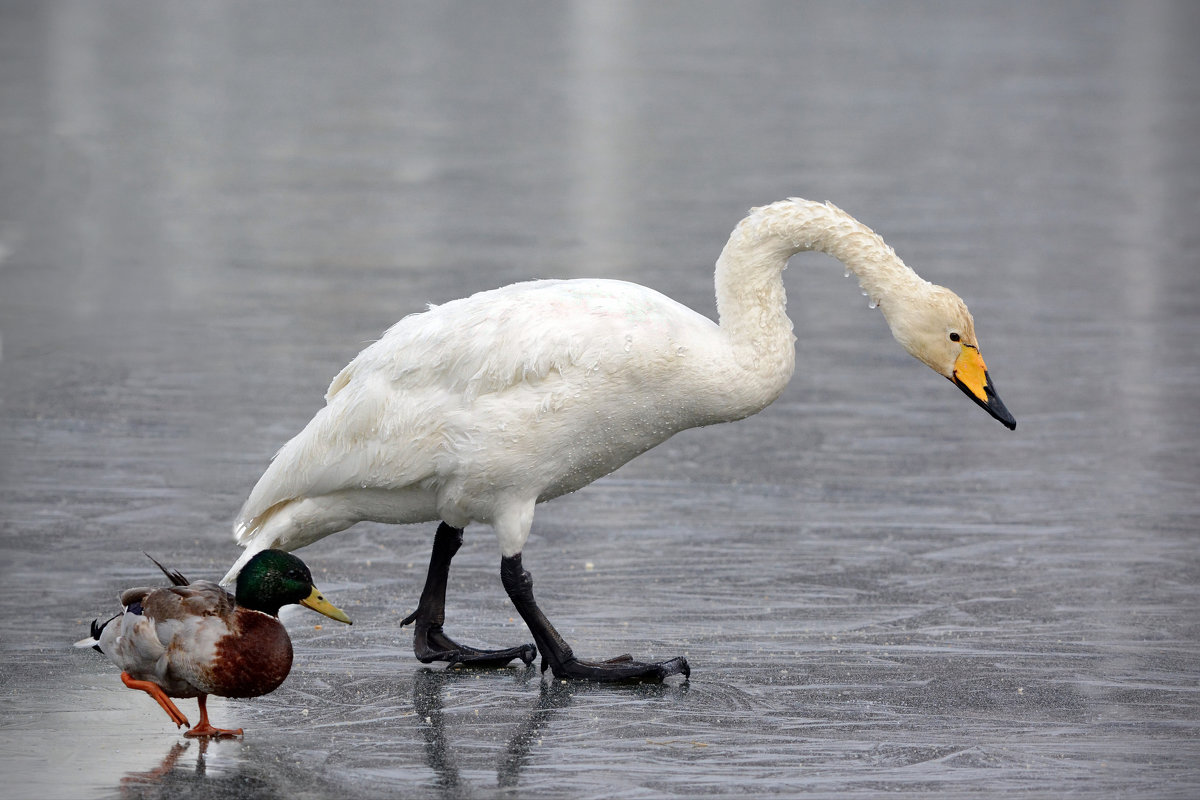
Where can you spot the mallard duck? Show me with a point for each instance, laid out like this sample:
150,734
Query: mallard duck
196,639
478,409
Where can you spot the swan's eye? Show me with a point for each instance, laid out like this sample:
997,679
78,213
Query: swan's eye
954,337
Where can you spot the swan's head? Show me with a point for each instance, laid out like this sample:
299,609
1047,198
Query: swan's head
935,327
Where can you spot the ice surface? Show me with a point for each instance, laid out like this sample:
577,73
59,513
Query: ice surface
206,209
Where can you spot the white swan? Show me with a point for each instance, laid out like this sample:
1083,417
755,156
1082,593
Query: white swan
478,409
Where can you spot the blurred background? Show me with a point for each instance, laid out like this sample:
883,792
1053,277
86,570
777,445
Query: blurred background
206,209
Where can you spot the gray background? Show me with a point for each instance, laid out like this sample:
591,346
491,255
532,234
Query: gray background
206,209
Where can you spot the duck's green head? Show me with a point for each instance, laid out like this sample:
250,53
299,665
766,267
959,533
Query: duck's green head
273,579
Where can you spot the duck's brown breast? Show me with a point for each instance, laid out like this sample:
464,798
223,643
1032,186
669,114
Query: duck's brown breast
254,659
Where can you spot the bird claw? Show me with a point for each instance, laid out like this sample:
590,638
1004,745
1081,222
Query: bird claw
431,644
622,669
200,732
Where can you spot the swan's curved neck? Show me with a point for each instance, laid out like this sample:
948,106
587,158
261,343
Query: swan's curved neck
751,302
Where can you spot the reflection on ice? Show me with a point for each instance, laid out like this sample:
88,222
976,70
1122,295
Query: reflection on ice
429,704
205,206
160,779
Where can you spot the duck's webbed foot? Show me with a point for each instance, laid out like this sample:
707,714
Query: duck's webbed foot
430,642
160,697
557,654
205,729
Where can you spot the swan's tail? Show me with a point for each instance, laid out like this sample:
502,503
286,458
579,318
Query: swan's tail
251,533
253,545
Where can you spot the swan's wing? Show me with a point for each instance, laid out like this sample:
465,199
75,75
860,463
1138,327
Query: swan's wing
393,413
493,340
350,443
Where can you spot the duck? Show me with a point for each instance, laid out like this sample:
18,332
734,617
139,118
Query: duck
478,409
193,639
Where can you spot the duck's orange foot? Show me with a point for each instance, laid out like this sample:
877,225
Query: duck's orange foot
202,731
160,697
205,729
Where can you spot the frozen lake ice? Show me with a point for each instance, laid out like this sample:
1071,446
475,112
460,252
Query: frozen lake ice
207,209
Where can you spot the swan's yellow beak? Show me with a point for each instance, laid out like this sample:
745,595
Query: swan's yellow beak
971,375
317,602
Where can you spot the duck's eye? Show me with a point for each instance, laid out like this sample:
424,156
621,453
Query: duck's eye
954,337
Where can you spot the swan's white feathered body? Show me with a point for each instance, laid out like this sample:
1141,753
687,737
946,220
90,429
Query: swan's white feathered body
479,408
476,409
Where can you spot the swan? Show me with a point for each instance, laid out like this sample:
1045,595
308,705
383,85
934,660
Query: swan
478,409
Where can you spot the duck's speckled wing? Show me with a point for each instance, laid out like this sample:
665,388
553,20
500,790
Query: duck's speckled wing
169,635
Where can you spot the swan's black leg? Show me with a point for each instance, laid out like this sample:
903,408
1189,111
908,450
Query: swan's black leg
557,654
430,643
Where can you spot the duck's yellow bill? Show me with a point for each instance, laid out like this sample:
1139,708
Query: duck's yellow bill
318,603
971,375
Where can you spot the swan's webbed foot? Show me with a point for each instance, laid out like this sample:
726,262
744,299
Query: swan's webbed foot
622,669
557,655
430,642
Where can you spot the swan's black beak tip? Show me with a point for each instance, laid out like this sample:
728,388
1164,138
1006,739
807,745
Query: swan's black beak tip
1001,413
970,374
990,402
